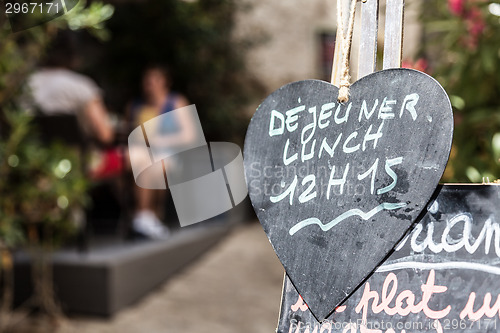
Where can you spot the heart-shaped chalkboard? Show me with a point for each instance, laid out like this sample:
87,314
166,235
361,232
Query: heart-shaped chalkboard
336,186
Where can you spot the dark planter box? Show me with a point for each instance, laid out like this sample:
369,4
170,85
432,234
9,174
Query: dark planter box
111,277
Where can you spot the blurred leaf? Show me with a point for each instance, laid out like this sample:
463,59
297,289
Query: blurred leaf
457,102
496,147
473,175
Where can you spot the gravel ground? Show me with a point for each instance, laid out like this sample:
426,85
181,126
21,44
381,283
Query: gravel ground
235,288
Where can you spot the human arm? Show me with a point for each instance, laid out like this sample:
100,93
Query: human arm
98,119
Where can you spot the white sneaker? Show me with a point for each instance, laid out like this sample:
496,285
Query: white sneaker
147,224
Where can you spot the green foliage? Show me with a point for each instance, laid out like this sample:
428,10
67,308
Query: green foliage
40,185
20,51
195,38
91,18
462,39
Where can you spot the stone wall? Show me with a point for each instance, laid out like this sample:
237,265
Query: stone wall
291,29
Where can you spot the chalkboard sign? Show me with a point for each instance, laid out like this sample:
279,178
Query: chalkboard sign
443,277
336,186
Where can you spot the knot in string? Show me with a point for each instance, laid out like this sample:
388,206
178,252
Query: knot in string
344,90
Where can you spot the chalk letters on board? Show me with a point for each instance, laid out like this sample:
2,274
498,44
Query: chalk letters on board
442,277
337,185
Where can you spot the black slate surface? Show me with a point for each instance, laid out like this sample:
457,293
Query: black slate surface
458,243
336,186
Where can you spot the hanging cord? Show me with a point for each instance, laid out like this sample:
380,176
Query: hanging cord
346,49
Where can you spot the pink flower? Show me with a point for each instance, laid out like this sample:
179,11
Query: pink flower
420,65
456,6
475,22
475,27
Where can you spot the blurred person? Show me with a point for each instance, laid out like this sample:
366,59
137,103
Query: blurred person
56,89
158,99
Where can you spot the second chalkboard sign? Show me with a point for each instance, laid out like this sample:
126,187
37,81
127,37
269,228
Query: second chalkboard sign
337,185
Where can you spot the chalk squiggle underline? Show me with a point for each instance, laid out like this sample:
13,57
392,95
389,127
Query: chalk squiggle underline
343,216
440,265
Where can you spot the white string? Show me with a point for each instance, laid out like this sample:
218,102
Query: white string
346,41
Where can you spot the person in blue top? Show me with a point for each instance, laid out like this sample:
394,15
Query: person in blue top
157,99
